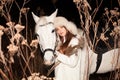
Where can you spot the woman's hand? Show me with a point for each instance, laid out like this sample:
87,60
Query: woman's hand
61,51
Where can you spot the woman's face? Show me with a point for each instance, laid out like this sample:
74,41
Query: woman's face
61,31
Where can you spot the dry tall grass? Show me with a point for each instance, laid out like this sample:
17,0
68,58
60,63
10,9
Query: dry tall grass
109,31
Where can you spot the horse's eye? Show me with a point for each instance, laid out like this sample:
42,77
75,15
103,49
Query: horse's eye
53,30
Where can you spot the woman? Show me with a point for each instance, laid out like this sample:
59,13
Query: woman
68,51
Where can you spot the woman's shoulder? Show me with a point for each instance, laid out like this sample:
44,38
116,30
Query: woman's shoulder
77,41
74,41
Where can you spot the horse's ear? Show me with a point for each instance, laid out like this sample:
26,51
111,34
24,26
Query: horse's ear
54,14
36,18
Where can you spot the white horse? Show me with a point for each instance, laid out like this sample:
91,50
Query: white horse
48,39
46,36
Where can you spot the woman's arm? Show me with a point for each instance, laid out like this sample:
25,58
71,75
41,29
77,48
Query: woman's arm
68,60
71,60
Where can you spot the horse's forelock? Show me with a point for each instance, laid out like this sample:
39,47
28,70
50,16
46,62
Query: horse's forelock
42,20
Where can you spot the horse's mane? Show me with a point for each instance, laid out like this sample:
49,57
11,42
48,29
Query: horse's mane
80,32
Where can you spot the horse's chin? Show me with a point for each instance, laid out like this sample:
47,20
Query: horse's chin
48,58
48,63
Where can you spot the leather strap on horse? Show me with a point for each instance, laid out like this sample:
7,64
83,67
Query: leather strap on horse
53,67
99,53
99,59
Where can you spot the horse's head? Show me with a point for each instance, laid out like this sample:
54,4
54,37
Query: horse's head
46,35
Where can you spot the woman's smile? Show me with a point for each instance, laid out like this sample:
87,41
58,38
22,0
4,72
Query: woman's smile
61,31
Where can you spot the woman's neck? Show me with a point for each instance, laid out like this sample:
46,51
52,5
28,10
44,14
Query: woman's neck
64,39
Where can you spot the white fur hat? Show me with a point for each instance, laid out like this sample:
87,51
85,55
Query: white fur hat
62,21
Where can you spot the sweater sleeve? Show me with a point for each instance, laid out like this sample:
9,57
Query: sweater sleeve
69,60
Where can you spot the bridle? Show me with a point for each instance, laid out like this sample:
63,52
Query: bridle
56,42
53,50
